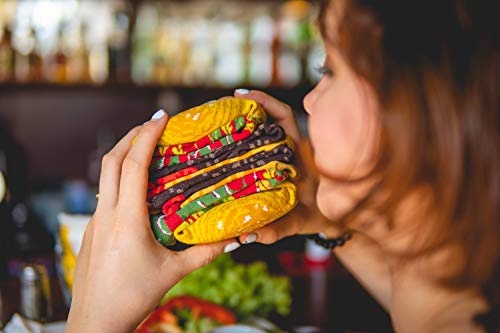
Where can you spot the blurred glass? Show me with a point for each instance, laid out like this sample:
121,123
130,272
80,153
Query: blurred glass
181,43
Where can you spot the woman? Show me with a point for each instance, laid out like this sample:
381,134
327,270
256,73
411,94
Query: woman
404,127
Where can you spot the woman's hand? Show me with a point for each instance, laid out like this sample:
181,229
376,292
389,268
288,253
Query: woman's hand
281,112
122,271
306,217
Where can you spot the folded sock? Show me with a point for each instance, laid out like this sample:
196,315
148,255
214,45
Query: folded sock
263,135
168,160
209,175
179,193
254,182
179,201
281,153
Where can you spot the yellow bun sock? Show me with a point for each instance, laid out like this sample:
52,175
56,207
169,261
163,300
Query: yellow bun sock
235,217
192,124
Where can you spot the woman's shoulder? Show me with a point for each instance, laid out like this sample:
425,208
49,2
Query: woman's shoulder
422,305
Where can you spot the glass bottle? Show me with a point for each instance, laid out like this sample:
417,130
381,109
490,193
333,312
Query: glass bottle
143,43
294,35
229,68
6,55
82,55
60,60
35,62
118,44
260,62
22,43
98,23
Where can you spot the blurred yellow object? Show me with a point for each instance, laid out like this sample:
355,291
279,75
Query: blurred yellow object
296,8
71,230
3,187
68,258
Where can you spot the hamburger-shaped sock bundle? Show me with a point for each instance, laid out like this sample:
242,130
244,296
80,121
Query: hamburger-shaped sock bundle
219,170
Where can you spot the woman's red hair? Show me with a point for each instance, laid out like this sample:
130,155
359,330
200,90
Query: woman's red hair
435,67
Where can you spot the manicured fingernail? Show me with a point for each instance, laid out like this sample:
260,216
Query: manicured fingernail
158,115
231,247
242,91
250,238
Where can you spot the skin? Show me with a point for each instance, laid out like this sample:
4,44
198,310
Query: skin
122,271
121,261
408,292
344,130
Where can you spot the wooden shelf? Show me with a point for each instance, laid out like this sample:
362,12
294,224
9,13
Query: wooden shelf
143,87
58,125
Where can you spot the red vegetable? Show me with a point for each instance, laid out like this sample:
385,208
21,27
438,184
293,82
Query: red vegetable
199,308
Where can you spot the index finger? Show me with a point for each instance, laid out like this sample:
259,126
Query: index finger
135,167
109,181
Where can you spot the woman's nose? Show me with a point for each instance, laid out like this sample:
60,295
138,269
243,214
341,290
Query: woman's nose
308,101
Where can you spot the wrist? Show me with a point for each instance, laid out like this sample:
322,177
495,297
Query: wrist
87,322
332,242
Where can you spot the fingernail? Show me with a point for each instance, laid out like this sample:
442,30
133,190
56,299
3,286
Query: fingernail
242,91
250,238
231,247
158,115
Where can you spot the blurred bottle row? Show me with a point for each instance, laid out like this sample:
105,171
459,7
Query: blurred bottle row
186,43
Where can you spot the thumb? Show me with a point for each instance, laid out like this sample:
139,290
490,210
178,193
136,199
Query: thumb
200,255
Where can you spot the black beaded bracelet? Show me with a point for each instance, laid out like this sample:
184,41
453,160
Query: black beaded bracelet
330,243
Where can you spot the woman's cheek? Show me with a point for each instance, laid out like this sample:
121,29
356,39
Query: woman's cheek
326,147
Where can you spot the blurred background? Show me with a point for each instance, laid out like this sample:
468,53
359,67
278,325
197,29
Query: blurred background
75,75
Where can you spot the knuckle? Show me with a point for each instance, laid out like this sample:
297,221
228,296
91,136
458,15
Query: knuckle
209,257
269,236
148,129
132,165
135,130
259,93
286,110
151,132
109,160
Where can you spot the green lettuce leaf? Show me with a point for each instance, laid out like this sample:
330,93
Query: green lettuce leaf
246,289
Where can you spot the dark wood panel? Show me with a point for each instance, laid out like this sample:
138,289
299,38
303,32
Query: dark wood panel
59,126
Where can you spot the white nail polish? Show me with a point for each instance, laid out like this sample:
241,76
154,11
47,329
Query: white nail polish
250,238
158,115
231,247
242,91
